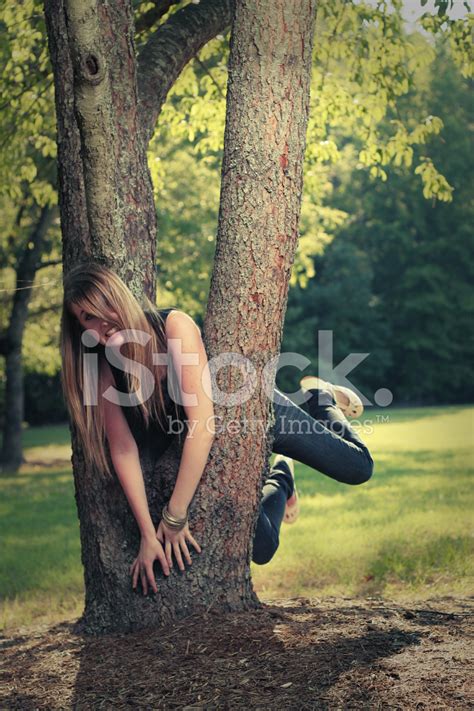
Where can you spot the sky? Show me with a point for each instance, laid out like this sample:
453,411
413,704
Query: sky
413,9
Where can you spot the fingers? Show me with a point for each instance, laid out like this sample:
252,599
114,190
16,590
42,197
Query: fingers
160,555
151,578
146,576
167,561
177,555
163,550
135,574
168,553
192,540
144,582
185,550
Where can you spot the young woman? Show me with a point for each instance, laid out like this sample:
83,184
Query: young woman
99,310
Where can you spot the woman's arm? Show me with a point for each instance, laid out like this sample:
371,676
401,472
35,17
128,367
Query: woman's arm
128,468
194,380
126,461
184,337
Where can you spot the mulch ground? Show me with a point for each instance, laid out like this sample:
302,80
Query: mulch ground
291,654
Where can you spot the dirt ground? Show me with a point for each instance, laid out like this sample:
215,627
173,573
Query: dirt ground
291,654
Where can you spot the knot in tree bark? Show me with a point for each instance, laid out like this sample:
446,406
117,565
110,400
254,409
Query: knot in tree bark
91,68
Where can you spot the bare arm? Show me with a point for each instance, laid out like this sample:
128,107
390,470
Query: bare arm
184,336
126,461
127,465
196,448
194,380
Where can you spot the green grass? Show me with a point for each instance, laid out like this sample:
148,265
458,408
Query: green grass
405,534
40,568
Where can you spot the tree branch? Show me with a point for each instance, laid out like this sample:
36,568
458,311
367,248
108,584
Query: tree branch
151,17
25,274
48,263
170,48
205,69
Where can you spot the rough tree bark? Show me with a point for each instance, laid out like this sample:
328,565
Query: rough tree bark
92,52
262,178
106,196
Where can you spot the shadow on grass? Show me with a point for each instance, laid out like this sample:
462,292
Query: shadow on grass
38,478
48,463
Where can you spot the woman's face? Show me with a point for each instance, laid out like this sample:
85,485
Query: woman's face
104,328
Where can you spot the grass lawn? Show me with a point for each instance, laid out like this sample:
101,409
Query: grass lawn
406,534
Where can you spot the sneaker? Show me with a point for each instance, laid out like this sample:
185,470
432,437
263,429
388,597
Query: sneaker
292,509
346,400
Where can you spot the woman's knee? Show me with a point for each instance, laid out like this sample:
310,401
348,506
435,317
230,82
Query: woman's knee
263,554
364,472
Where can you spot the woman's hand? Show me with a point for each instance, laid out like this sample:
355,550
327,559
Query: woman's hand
150,550
176,542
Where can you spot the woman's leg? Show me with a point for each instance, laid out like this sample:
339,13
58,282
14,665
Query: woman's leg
321,437
276,491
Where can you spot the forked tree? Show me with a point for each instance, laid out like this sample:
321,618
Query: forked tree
108,102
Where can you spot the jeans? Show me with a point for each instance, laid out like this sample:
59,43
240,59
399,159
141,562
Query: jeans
319,435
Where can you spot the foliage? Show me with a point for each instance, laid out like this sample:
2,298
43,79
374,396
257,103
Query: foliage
184,157
458,33
412,305
339,300
363,65
27,121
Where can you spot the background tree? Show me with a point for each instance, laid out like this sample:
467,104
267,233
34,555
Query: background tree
27,189
26,268
396,276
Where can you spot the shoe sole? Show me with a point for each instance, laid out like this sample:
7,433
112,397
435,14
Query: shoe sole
354,408
288,460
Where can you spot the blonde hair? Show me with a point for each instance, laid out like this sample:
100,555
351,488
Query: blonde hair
98,290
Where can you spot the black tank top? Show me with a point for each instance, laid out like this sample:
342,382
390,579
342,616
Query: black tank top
157,438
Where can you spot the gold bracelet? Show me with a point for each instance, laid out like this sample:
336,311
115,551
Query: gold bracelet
177,524
172,518
171,524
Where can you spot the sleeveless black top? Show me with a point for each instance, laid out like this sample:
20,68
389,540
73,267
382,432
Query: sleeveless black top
155,437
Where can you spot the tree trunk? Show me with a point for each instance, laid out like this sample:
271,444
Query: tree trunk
106,195
12,453
104,182
262,178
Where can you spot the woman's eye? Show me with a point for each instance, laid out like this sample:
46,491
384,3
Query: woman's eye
87,317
